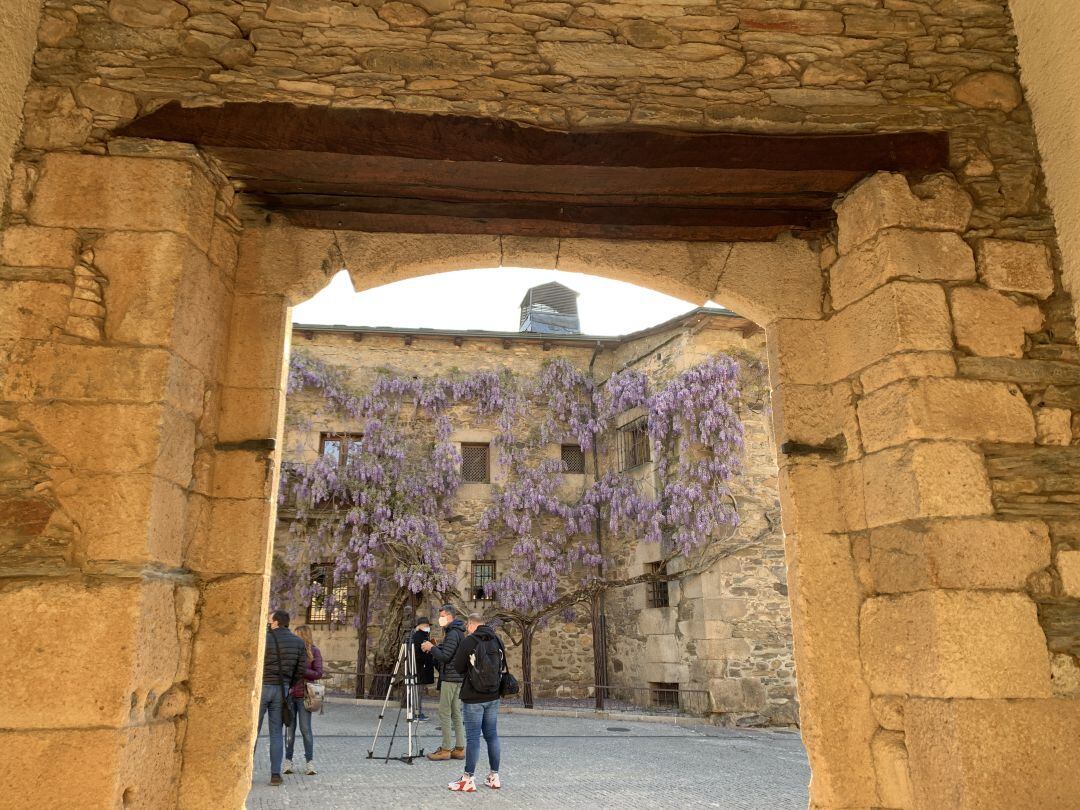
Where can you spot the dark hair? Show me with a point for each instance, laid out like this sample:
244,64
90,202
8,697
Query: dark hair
421,620
281,617
448,608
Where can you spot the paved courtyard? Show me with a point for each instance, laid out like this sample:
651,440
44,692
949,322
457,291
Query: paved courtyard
549,762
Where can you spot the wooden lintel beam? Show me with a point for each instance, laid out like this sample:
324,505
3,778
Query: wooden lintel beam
416,223
277,126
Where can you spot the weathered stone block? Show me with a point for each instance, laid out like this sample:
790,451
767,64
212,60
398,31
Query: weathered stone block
1068,566
891,765
993,754
30,246
139,641
239,538
817,496
91,767
954,644
32,309
250,413
662,649
666,672
163,292
899,253
689,61
1020,267
907,366
837,722
529,251
886,201
899,317
1053,426
147,13
933,479
225,672
820,416
989,324
38,372
658,620
736,694
150,439
124,194
941,408
129,518
957,554
257,341
988,90
243,473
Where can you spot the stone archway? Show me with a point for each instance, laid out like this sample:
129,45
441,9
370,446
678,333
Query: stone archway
924,671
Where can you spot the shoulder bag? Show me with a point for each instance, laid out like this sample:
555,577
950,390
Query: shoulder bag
286,706
508,684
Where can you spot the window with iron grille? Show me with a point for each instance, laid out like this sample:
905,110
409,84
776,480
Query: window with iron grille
634,439
338,446
483,572
656,595
664,694
474,463
573,459
324,609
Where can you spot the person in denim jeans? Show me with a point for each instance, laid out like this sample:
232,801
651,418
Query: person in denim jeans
283,665
313,671
480,704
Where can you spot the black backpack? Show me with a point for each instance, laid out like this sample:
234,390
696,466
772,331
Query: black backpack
485,674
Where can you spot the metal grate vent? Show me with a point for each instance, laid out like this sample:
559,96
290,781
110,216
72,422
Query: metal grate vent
573,459
474,463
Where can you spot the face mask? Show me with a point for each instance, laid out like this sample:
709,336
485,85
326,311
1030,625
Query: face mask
425,629
443,621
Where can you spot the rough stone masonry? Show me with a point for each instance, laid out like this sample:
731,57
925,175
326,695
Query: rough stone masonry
923,356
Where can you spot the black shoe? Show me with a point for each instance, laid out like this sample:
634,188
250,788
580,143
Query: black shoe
275,779
420,718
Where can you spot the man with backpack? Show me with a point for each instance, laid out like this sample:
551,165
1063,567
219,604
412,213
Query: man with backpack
480,659
449,685
284,664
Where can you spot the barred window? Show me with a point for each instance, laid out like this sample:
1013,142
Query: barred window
573,459
483,572
338,446
474,463
656,595
634,441
664,694
324,609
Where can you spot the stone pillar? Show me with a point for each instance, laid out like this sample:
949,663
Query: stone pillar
115,284
912,594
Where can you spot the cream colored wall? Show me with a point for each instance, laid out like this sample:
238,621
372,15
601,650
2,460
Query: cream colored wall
1050,73
18,38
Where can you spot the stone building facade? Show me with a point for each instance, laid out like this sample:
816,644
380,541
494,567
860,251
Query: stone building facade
722,639
144,301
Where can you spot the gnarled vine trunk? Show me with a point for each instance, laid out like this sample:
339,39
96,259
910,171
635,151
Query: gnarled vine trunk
389,646
527,630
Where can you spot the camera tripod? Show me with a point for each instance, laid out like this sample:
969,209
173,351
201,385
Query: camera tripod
406,656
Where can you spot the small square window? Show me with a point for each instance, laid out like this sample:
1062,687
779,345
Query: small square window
474,463
573,459
339,447
342,606
634,444
483,572
657,594
664,695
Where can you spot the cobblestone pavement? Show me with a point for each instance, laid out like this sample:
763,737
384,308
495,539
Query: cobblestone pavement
548,762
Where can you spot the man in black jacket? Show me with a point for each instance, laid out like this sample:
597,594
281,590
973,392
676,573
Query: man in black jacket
480,658
283,665
449,684
425,664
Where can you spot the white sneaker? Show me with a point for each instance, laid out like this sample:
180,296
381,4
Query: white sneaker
310,769
493,781
286,766
465,784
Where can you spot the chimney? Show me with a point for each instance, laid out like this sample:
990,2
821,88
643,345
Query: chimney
550,309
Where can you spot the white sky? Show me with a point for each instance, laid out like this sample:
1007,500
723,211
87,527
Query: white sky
486,299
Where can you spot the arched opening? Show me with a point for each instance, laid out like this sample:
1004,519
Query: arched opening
709,645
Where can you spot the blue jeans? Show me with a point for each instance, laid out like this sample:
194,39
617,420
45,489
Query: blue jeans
301,714
481,718
271,700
